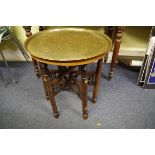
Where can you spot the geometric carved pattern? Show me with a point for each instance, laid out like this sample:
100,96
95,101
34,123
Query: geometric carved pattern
65,78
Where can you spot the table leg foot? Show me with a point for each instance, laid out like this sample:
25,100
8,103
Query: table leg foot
110,75
85,116
56,115
47,97
94,99
38,76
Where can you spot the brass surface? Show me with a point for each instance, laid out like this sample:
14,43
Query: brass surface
70,63
67,44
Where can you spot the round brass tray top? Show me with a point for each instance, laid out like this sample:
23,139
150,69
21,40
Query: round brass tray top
67,44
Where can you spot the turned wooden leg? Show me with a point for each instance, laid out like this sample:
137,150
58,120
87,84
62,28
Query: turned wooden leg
109,32
117,42
84,84
36,68
48,85
28,30
41,28
44,82
97,80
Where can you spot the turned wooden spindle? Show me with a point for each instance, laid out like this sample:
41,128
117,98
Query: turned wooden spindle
35,64
41,28
109,32
117,43
44,80
97,80
28,30
84,84
49,88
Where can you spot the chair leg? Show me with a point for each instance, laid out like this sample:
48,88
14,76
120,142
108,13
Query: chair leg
97,80
45,74
6,64
84,84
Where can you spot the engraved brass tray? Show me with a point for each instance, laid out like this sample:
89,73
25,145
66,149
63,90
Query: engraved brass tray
67,44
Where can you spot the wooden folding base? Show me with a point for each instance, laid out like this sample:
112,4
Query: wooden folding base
67,78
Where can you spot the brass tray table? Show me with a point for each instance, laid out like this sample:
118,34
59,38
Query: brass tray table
71,49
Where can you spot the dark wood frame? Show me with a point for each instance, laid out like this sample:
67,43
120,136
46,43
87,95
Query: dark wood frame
66,78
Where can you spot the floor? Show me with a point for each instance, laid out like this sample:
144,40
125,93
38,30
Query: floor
121,103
